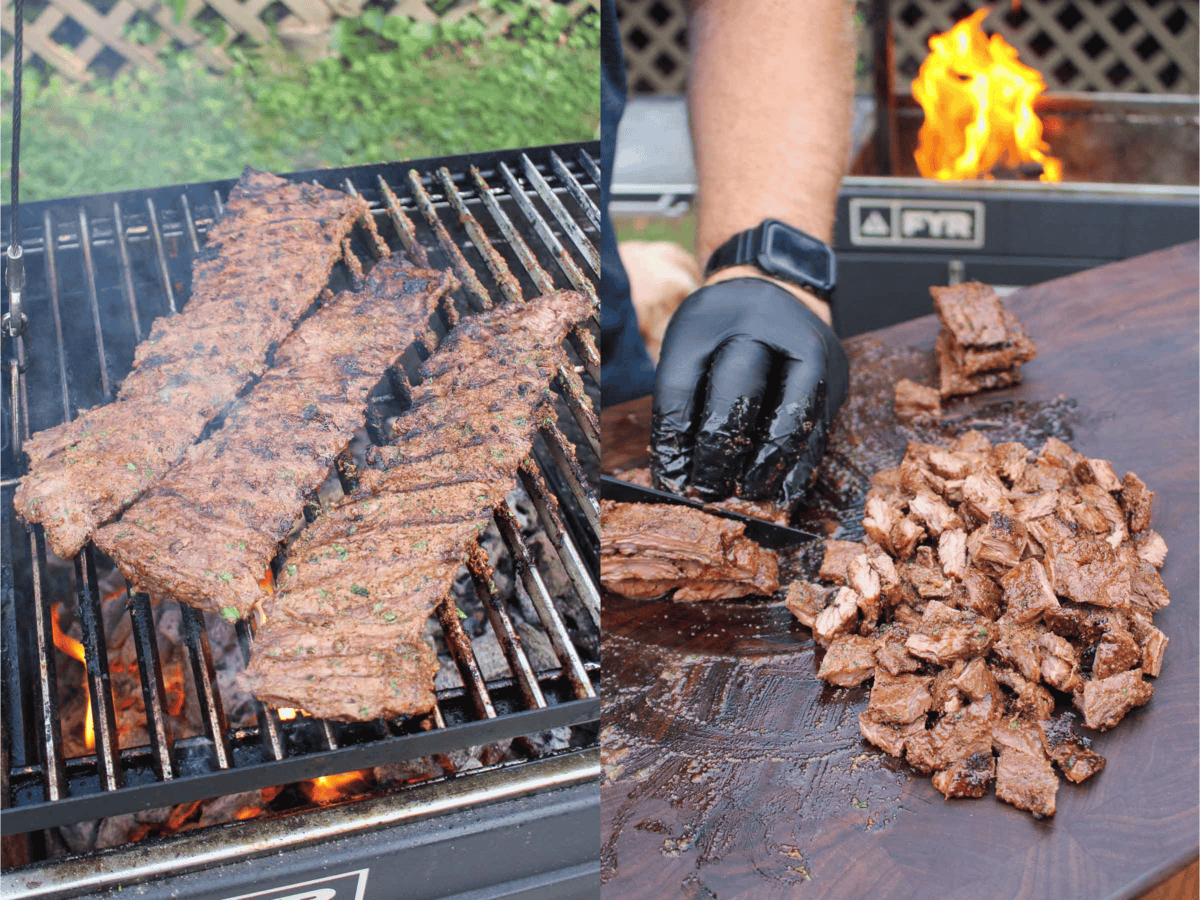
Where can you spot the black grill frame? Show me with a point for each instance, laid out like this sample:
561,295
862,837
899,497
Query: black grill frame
455,212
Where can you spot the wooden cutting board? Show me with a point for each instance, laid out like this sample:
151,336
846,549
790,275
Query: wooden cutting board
730,771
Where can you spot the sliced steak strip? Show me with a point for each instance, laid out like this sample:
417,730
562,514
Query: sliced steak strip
206,532
360,582
263,266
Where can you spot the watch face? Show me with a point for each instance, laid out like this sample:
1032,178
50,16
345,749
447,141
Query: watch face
804,258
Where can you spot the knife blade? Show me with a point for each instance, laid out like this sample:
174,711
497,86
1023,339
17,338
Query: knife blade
769,534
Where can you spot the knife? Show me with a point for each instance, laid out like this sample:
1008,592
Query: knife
768,534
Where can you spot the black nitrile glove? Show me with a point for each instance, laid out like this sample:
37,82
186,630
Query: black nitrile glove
748,382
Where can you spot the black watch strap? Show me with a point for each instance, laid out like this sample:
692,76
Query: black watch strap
783,252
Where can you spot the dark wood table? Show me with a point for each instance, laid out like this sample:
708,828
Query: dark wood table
730,771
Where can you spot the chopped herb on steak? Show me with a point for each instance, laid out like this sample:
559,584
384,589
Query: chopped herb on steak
206,532
263,266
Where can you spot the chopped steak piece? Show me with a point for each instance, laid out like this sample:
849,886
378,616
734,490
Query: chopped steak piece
984,496
982,594
946,634
1000,541
963,734
866,583
1027,592
205,534
916,400
263,265
805,601
1136,499
1073,753
1016,646
1017,732
968,777
1154,645
905,537
1105,701
952,552
933,512
900,700
849,661
976,680
1008,461
1117,652
837,618
1027,781
360,582
981,344
1102,502
924,574
1060,666
838,556
972,312
891,739
890,654
1037,505
648,549
1151,548
881,517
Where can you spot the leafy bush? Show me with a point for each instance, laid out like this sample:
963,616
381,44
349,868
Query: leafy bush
393,89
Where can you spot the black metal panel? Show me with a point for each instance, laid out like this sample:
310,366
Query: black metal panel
540,847
1030,233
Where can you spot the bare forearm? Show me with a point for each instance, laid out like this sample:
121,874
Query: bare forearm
770,97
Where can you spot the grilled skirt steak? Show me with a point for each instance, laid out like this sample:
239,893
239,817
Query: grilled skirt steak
264,264
206,532
342,634
647,550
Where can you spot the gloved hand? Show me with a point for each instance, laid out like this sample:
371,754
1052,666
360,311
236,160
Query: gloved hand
748,383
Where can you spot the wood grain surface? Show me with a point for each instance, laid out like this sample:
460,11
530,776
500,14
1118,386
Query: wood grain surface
730,771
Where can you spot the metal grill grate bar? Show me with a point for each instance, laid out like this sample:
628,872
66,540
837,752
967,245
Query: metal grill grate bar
561,256
464,658
267,718
578,238
54,771
163,269
126,273
502,626
188,220
535,487
89,272
150,671
52,283
547,611
569,466
95,648
575,189
404,226
589,166
459,262
204,674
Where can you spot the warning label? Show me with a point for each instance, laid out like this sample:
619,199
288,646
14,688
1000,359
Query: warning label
347,886
910,223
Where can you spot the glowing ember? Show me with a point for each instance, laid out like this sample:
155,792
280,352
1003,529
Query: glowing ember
287,713
328,788
74,649
978,102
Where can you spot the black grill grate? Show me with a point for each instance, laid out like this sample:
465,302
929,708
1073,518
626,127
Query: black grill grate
99,269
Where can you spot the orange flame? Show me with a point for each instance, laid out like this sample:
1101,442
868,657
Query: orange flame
328,788
74,649
978,102
286,713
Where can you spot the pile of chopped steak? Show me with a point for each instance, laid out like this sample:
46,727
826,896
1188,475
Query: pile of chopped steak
264,264
342,636
981,345
206,533
647,550
991,584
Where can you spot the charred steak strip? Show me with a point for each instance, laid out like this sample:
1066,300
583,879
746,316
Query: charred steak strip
647,550
342,636
264,264
207,531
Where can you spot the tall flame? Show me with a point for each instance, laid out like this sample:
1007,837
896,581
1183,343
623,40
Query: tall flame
74,649
978,102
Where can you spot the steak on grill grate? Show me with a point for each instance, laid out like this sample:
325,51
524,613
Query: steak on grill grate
264,264
207,531
342,637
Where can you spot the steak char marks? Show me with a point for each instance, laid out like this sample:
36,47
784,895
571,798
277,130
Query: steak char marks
205,533
342,636
263,265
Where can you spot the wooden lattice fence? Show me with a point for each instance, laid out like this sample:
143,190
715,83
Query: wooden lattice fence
1134,46
75,37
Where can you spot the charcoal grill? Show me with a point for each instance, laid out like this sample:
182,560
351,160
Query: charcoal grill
99,269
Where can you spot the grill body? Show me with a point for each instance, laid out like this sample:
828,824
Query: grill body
99,270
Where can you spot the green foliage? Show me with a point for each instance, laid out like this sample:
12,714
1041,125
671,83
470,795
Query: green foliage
393,89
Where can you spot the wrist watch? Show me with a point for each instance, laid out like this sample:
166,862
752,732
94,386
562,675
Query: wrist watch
783,252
